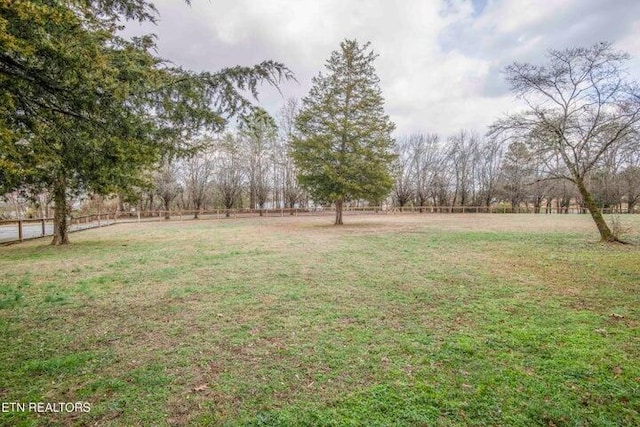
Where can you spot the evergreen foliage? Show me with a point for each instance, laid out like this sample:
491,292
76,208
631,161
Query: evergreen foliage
84,109
343,148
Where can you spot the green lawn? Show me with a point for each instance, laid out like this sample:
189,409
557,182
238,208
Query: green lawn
442,320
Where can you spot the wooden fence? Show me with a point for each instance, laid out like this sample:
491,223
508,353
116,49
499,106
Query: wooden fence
12,231
352,210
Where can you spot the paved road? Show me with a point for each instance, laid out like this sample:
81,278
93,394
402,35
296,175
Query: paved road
9,232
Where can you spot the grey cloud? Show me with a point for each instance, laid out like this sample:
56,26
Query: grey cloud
495,84
440,63
586,23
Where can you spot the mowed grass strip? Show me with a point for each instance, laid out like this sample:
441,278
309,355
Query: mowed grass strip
388,320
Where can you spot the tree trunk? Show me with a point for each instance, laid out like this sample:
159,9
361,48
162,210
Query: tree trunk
60,225
455,198
167,205
605,233
252,194
339,203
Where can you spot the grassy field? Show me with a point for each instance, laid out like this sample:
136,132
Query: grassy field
442,320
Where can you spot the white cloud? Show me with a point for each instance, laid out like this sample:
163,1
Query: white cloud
439,62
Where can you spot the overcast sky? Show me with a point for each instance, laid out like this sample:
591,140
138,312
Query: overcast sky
439,62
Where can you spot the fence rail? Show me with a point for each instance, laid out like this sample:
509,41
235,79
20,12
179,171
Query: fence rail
12,231
319,211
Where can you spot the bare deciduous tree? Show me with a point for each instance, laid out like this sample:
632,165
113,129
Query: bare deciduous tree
630,176
230,172
404,174
166,185
604,181
258,133
291,191
426,164
488,171
463,153
198,172
579,107
516,169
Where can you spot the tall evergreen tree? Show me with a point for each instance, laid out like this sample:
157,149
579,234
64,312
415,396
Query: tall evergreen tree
83,109
343,147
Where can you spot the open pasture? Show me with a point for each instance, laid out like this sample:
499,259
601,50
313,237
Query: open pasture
401,320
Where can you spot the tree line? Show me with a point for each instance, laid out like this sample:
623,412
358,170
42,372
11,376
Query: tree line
243,170
85,111
252,167
467,169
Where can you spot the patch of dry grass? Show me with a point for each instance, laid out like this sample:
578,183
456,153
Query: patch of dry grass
404,319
